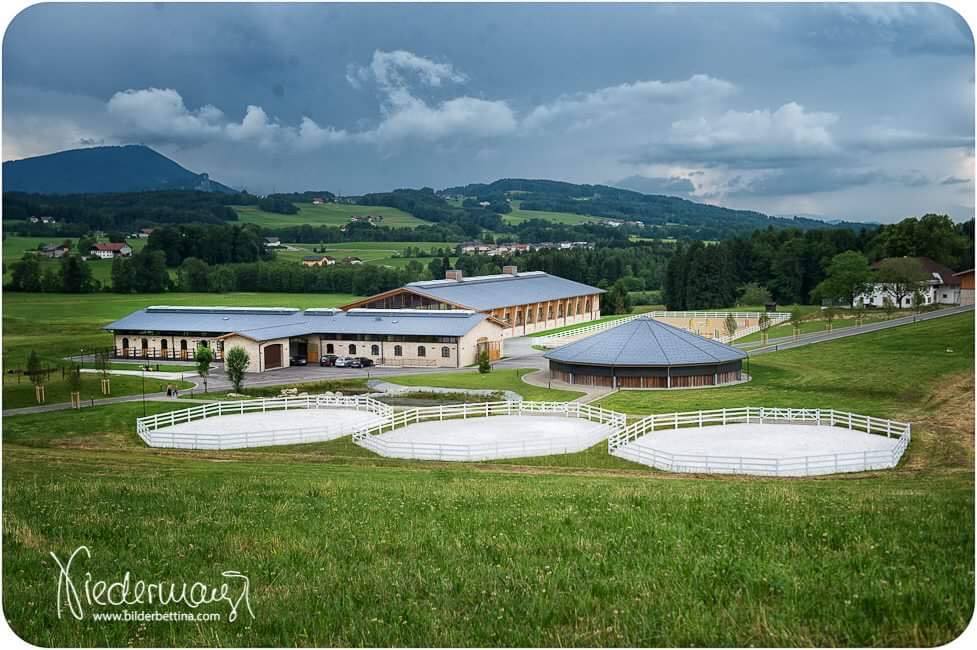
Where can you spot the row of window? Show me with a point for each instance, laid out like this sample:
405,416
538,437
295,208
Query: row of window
163,344
398,350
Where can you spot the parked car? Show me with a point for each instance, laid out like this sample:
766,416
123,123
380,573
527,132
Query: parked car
328,360
299,361
342,362
366,362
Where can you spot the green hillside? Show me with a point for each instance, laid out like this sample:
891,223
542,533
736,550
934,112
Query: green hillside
327,214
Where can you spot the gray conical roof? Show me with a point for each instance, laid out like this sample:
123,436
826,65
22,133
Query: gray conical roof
645,342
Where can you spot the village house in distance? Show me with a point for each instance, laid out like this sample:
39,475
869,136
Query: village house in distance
439,323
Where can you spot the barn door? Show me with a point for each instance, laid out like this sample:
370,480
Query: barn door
273,356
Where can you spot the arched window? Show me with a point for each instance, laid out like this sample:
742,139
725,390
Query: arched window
421,352
540,316
163,347
398,351
125,346
588,304
446,352
559,311
203,343
551,312
183,348
352,348
330,348
375,350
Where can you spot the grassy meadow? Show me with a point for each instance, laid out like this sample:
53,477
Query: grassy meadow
501,379
327,214
382,253
344,548
14,248
518,215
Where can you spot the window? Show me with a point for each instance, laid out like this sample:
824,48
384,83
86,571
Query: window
145,344
330,348
551,312
163,347
203,344
352,349
183,344
125,343
421,352
398,351
375,350
446,352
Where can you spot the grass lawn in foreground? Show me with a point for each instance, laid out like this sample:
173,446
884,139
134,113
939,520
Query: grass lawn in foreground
345,548
503,379
328,214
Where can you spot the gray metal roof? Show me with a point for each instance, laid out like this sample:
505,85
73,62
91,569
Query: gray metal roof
645,342
263,324
483,292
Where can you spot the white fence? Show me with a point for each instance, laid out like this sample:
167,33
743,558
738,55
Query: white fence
372,439
566,336
618,444
153,428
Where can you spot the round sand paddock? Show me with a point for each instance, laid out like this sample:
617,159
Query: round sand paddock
502,435
262,422
804,445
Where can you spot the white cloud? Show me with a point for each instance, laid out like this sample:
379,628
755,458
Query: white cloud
161,112
754,137
629,100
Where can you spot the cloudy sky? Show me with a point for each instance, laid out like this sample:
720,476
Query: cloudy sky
848,111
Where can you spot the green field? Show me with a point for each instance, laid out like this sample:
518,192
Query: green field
14,248
328,214
518,215
382,253
57,325
343,548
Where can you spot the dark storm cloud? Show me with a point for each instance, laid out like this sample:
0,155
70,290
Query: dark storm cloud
759,106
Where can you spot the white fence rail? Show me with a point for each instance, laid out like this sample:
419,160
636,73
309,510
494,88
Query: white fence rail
157,430
776,318
372,438
618,444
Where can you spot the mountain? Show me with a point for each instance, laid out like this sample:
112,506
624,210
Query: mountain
661,215
129,168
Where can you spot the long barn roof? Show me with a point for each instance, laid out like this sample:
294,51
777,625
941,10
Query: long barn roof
645,342
264,324
484,292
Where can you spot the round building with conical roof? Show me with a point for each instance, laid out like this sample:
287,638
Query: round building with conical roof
646,353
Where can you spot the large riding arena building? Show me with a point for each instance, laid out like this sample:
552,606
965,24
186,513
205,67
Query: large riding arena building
524,303
646,353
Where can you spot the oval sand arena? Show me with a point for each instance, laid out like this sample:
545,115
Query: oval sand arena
787,446
494,436
262,422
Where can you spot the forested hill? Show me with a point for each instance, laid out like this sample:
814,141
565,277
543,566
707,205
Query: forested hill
665,215
129,168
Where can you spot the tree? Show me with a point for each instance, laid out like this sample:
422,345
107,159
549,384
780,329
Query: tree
764,323
236,362
849,276
25,274
617,300
901,276
796,318
888,306
102,365
76,276
36,375
121,275
484,363
73,379
730,326
203,357
194,275
829,315
753,294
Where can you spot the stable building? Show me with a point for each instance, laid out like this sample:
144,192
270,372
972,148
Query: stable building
646,353
273,336
524,303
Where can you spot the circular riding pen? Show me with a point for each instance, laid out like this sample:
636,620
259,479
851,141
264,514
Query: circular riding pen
491,430
644,353
263,422
763,441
